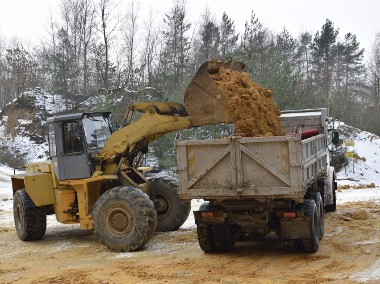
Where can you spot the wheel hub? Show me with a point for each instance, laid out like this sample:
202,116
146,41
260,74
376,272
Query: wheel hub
118,221
20,220
163,207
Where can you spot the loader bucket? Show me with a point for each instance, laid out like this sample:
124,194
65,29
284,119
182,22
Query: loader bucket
204,101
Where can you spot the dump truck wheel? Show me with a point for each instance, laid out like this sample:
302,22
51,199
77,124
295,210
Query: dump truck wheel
204,232
124,218
215,238
332,207
205,238
30,220
312,244
224,239
311,212
319,203
172,212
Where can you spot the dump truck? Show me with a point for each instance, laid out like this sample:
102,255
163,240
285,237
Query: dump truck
94,178
259,186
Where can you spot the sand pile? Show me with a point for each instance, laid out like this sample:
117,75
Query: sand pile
252,105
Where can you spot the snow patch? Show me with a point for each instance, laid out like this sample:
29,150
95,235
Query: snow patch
355,195
363,170
371,273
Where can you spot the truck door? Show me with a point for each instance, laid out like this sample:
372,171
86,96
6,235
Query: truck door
74,153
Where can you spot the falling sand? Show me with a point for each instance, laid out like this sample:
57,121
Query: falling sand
251,105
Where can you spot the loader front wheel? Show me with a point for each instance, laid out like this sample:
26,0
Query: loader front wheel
124,218
172,212
30,220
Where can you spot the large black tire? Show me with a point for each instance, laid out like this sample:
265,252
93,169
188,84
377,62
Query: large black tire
215,237
332,207
172,212
319,203
312,244
311,213
204,232
224,239
205,238
30,220
124,218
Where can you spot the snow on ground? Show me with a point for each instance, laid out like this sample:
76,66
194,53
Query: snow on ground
370,274
362,194
363,170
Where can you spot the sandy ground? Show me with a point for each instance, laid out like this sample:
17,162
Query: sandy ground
349,253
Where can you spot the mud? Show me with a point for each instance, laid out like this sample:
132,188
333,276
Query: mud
251,105
348,253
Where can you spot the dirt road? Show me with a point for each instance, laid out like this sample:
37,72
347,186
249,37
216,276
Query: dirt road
349,253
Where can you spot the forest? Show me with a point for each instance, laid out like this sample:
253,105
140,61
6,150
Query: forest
91,49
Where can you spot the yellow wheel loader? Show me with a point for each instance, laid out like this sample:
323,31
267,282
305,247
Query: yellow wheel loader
93,177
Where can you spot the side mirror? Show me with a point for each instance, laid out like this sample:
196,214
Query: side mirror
335,138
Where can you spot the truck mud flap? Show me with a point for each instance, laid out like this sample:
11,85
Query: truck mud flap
295,229
209,217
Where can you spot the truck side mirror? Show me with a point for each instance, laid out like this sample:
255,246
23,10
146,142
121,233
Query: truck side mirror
335,138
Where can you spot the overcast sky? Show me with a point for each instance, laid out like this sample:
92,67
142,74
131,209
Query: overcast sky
26,18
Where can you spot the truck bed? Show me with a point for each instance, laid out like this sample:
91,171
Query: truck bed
260,168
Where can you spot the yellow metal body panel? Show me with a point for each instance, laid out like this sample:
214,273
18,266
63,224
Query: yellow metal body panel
64,199
144,169
43,167
39,187
88,191
39,167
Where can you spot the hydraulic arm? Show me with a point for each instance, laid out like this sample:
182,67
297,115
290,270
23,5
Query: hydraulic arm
157,120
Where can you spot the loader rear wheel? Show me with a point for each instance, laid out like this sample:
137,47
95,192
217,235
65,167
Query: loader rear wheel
172,212
124,218
30,220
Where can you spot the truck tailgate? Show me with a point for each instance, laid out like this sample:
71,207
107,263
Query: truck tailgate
260,168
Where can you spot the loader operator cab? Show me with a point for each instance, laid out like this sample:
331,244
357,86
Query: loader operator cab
73,138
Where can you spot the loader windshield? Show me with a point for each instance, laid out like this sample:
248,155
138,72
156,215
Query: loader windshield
97,131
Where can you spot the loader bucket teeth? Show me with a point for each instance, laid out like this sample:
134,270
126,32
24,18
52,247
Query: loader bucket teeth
204,101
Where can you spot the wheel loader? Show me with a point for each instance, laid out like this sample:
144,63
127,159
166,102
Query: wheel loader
93,176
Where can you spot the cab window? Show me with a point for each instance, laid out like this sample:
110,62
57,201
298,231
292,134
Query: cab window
52,146
72,142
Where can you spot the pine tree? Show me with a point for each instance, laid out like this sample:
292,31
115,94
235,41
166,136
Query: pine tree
323,56
174,58
209,38
228,37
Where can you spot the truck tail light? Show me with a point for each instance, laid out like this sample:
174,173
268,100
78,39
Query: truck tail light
289,214
207,214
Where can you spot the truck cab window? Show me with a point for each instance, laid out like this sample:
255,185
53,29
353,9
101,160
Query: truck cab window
72,139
